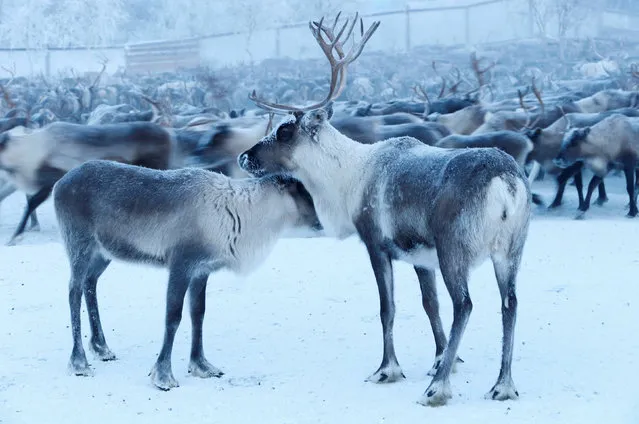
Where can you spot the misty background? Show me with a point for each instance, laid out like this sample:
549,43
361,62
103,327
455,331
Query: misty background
47,36
73,23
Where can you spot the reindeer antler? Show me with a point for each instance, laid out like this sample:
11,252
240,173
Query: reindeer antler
97,79
7,97
421,93
338,65
479,73
537,94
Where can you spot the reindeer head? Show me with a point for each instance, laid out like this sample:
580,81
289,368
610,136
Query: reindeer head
571,147
298,136
294,138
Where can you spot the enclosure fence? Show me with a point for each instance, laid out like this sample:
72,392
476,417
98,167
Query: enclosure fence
401,30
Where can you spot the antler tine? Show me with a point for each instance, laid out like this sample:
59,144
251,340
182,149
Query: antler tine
340,52
335,40
271,107
443,90
359,47
7,97
521,97
336,20
421,93
537,93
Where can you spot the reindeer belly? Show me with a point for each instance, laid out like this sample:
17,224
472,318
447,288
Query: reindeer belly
420,256
415,250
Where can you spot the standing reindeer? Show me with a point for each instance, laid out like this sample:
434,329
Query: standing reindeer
430,207
191,221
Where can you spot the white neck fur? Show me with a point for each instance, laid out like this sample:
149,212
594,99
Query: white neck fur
334,170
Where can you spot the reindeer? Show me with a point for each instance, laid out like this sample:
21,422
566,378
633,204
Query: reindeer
612,142
514,143
35,160
190,221
547,143
431,207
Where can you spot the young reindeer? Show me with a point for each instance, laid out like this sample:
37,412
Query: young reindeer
191,221
431,207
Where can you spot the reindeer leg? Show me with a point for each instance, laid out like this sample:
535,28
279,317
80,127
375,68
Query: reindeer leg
34,224
630,188
594,182
506,272
455,272
179,279
198,365
98,343
389,370
431,307
562,180
32,203
603,197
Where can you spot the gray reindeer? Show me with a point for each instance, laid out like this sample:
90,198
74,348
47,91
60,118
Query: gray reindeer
191,221
431,207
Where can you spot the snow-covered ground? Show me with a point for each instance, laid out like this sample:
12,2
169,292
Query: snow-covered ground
297,338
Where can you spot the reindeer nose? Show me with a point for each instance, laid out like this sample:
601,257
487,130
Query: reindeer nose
243,161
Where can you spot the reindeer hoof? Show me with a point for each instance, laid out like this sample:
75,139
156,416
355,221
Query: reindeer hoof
387,374
438,361
503,391
203,369
162,378
437,394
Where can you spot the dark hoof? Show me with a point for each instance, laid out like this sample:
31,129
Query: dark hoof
554,205
387,374
600,201
537,200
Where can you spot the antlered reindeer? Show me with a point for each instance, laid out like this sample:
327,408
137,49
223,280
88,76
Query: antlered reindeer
430,207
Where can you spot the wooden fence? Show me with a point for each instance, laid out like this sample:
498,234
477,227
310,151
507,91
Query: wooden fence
162,56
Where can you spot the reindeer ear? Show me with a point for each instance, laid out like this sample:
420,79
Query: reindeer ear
329,110
319,116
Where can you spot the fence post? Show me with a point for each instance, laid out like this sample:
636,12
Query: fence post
277,42
47,63
467,25
407,40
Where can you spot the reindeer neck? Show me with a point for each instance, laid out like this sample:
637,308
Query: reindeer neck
333,172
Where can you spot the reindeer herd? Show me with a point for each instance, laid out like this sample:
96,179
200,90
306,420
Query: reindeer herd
442,182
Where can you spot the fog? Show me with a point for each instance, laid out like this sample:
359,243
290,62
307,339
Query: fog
74,23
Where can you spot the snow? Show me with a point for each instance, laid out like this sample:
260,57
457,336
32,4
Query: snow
298,337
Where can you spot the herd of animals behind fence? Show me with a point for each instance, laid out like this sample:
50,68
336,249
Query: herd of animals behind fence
133,164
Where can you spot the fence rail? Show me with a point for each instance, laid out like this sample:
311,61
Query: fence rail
401,30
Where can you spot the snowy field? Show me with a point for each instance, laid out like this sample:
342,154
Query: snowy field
297,338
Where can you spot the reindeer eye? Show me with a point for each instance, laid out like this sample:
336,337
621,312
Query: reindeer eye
285,132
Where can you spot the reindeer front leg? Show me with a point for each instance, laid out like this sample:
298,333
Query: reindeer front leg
389,371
